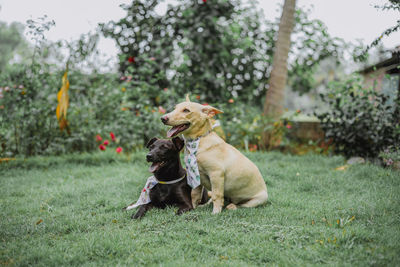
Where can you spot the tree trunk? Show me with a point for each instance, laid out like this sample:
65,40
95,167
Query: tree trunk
273,106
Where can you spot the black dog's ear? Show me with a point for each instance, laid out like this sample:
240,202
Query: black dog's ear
152,140
178,143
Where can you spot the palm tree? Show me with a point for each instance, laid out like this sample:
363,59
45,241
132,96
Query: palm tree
273,106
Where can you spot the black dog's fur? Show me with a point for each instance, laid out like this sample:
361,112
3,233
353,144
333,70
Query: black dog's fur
162,195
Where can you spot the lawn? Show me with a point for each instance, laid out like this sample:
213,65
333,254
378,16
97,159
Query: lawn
67,211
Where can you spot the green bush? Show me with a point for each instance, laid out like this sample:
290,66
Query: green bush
242,124
27,114
359,120
390,155
98,104
218,51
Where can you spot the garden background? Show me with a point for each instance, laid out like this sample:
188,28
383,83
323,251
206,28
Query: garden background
219,52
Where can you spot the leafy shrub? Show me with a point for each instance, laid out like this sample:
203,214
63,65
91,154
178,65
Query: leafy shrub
27,114
242,124
99,103
359,120
390,155
217,49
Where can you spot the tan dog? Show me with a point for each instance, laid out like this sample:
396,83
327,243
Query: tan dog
223,169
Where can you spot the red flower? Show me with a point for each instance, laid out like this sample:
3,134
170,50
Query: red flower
144,189
252,147
98,138
106,142
118,150
161,110
204,1
112,135
102,147
289,126
231,100
165,89
131,59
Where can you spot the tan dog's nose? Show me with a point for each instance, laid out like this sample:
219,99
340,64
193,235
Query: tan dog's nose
164,119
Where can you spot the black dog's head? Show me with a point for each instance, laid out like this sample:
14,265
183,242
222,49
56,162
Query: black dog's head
162,151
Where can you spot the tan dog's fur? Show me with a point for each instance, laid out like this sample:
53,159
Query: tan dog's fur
223,169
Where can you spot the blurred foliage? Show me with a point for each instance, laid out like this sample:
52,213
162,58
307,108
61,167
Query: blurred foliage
11,40
390,156
219,49
393,5
360,121
312,44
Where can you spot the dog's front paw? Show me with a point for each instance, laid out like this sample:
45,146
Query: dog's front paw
195,204
183,210
216,210
231,207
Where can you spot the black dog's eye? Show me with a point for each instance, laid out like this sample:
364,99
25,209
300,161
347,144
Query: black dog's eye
186,110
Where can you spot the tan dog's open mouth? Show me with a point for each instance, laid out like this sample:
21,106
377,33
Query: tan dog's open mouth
155,166
177,129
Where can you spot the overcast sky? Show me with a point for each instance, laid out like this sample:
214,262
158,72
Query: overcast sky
348,19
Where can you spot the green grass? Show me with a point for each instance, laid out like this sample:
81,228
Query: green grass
67,211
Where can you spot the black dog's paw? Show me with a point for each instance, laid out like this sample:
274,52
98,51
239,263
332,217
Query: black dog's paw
183,210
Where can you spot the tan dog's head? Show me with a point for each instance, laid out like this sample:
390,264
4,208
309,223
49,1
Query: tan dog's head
190,118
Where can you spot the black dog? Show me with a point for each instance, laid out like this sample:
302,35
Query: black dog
166,167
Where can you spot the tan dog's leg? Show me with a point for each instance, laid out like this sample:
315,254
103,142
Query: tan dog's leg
217,191
257,200
196,196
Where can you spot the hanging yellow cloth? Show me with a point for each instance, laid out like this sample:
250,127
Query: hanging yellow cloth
63,102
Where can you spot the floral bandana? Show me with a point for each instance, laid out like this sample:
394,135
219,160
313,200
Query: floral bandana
144,197
192,168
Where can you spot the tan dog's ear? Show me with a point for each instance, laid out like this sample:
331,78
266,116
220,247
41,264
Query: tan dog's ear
211,111
187,98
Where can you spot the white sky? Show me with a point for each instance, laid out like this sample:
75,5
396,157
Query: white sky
348,19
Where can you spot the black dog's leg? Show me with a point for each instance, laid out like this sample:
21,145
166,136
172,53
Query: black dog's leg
184,208
185,201
142,211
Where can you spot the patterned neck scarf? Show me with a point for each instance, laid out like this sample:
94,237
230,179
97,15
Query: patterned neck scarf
192,168
144,197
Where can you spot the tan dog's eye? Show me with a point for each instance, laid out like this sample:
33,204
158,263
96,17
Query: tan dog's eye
186,110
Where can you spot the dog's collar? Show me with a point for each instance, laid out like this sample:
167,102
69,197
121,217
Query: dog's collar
216,124
171,182
197,138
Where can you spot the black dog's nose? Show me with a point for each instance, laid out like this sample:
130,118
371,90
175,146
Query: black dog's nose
164,119
149,157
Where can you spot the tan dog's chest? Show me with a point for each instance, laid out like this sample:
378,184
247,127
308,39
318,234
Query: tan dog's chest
241,177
